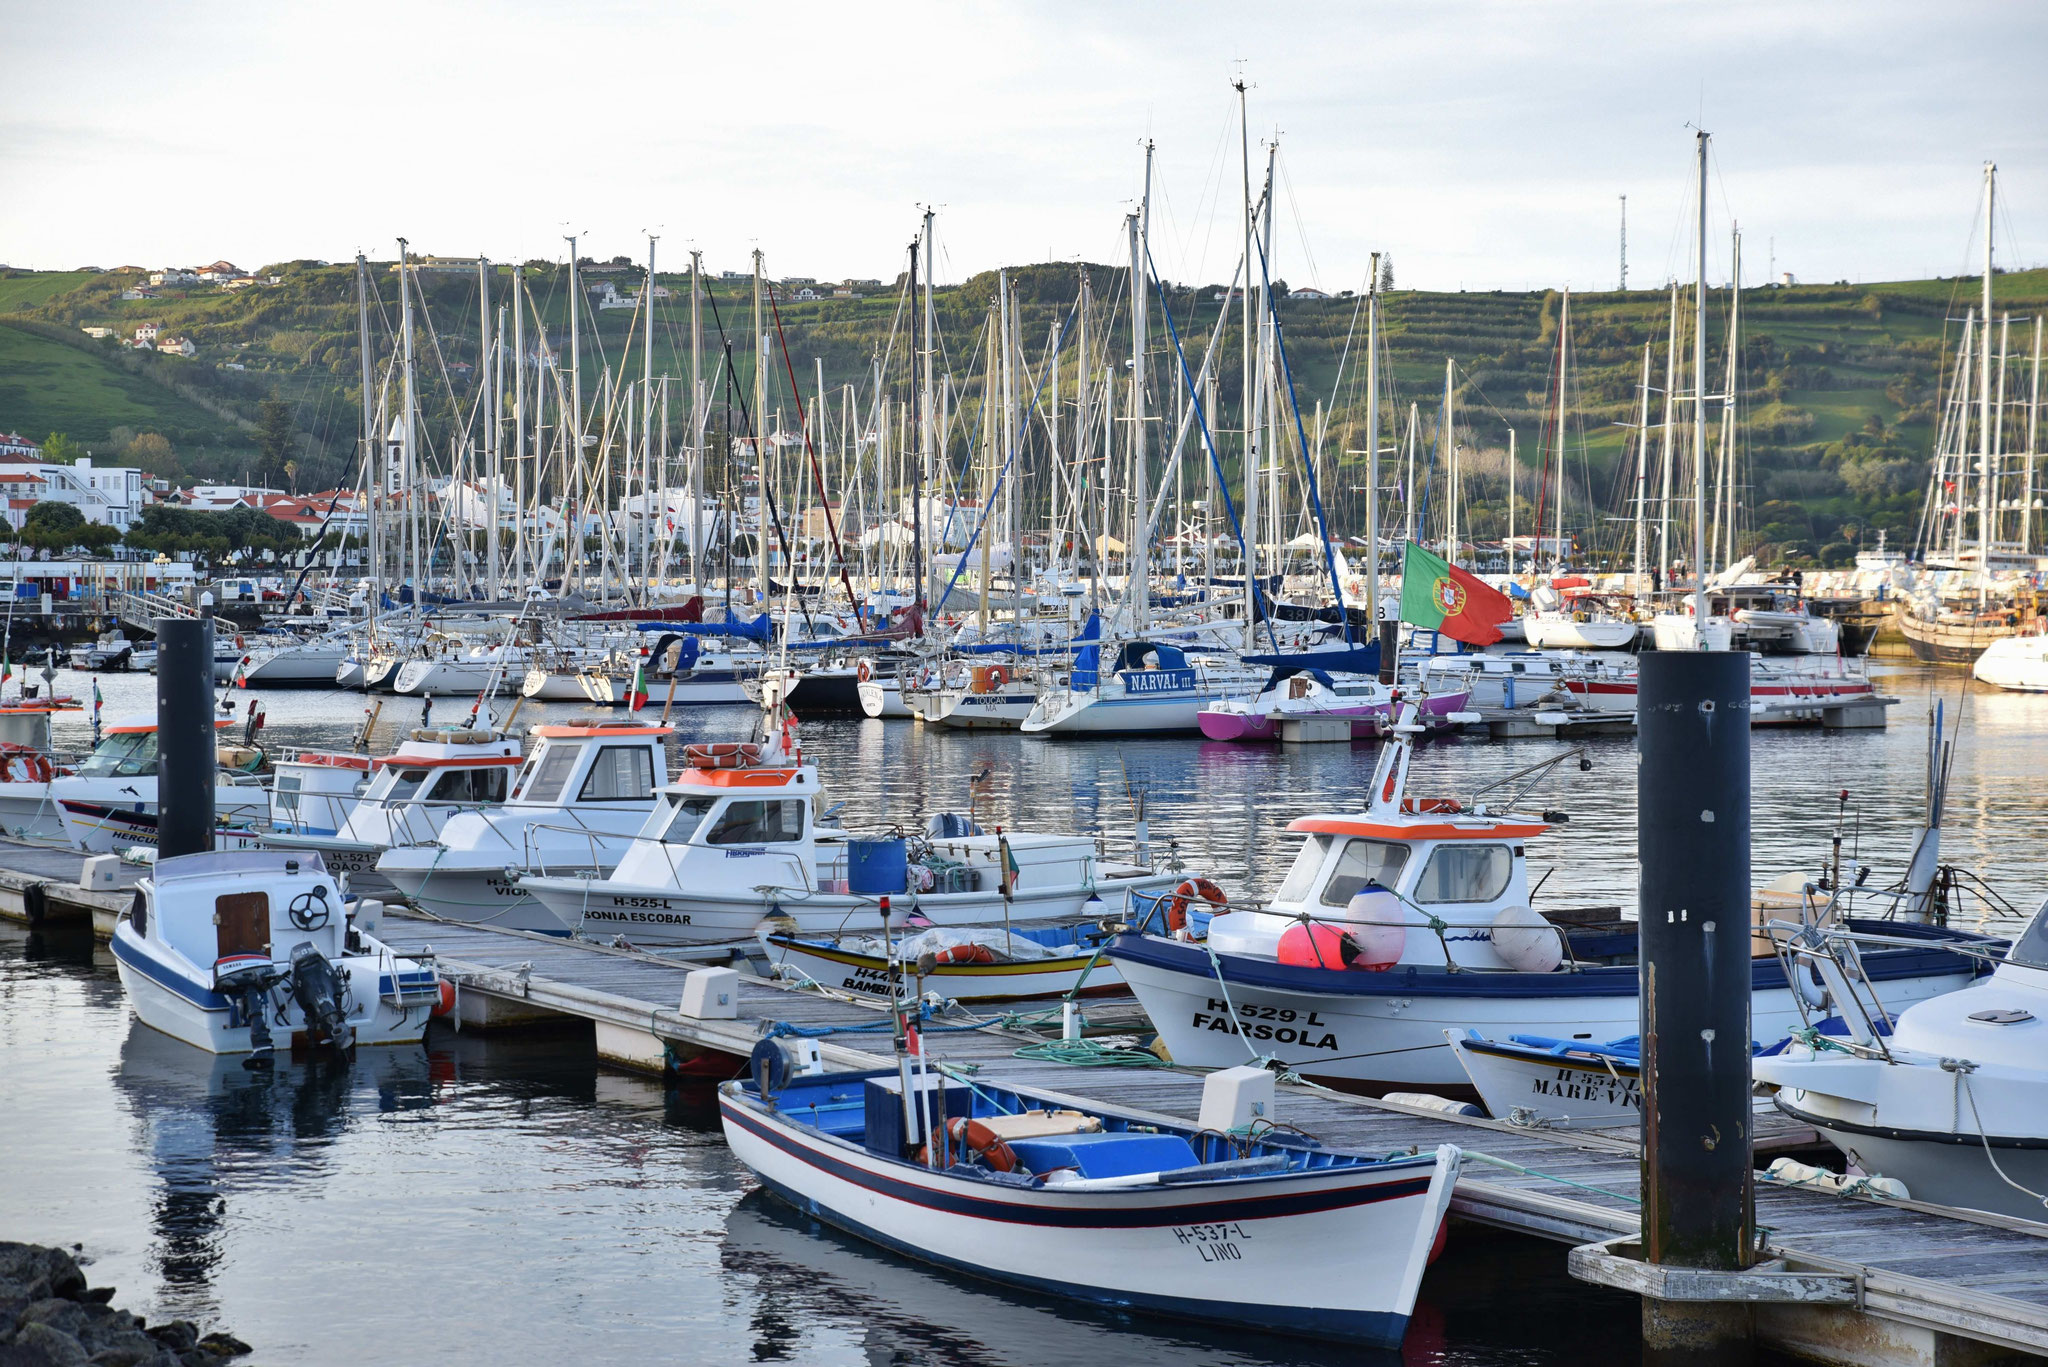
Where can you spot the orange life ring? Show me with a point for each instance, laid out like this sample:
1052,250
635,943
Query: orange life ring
721,755
998,675
984,1143
863,671
965,954
1177,904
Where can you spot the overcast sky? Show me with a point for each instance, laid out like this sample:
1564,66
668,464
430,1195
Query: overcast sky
1483,144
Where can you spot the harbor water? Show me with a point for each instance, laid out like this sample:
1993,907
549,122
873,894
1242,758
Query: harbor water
505,1199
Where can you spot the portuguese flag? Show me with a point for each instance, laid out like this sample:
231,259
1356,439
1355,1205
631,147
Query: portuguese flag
1439,596
636,692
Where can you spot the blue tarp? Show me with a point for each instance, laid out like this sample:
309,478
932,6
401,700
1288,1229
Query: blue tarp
760,629
1363,659
1087,672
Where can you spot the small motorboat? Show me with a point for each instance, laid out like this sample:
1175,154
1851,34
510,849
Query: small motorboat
236,953
2018,664
109,800
1263,1228
966,964
1953,1101
1309,695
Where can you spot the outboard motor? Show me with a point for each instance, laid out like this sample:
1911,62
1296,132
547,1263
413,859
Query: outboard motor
319,991
248,979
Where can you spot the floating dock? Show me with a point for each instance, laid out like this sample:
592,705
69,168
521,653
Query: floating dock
1846,1279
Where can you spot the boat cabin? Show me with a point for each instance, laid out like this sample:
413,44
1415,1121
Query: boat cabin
438,771
591,763
729,819
228,906
127,749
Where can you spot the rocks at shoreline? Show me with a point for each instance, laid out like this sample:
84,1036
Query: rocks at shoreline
50,1317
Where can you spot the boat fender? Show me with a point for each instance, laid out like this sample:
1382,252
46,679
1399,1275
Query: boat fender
1313,945
1526,942
982,1143
444,1004
1379,928
1429,1101
1176,903
1792,1173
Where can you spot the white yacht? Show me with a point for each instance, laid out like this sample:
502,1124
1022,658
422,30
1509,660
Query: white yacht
2018,664
583,795
1151,686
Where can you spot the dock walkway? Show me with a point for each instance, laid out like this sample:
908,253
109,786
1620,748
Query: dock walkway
1917,1277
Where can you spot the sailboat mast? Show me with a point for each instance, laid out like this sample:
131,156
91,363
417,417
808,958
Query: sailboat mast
931,426
1372,443
917,510
1985,478
699,416
762,558
572,537
1564,355
485,357
1699,416
409,471
519,427
1141,279
647,521
376,475
1642,465
1669,443
2033,446
1251,439
1447,439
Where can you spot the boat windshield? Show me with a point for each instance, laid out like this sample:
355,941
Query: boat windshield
759,823
690,814
407,785
547,773
1466,873
2031,948
479,783
132,754
1363,862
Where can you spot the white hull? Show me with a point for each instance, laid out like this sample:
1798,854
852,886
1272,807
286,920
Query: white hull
852,972
476,896
1949,1173
664,915
292,665
28,811
545,685
1394,1040
102,814
1561,633
443,678
999,711
1576,1091
884,698
1080,713
2018,664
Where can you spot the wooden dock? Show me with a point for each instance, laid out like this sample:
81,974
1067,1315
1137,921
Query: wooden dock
1880,1282
1888,1281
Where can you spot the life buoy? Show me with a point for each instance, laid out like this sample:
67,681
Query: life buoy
998,675
35,766
1176,904
965,954
863,671
1431,804
721,755
445,1004
983,1143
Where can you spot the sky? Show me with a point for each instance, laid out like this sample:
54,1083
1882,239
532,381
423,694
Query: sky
1482,145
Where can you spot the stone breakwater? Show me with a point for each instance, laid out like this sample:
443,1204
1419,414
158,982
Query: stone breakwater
50,1317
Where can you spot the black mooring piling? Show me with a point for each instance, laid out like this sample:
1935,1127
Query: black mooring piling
1390,652
1692,837
184,736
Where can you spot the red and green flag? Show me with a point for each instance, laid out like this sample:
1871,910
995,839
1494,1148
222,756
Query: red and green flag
636,695
1438,596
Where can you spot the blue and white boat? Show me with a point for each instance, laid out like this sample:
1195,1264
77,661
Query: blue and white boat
237,953
1102,1205
1412,918
1149,686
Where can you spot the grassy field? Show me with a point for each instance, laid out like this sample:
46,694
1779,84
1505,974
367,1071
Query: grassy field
1838,381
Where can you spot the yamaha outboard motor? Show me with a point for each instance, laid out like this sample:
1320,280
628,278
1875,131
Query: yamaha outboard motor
248,979
319,991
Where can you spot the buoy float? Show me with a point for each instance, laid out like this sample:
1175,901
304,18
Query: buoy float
446,1005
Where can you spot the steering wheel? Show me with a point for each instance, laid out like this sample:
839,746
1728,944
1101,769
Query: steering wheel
309,910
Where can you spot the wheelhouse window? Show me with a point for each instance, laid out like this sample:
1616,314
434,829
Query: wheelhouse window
758,823
620,773
546,774
1362,862
689,815
471,785
407,785
1301,879
1466,873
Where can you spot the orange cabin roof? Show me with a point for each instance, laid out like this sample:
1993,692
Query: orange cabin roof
219,724
738,778
447,761
1493,829
561,732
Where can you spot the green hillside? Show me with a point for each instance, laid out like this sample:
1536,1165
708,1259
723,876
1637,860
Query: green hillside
1836,384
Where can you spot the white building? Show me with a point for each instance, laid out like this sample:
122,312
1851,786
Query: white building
145,334
109,494
15,444
177,346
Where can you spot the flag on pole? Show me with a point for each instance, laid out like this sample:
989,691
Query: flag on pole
1438,596
636,695
1010,868
97,700
6,668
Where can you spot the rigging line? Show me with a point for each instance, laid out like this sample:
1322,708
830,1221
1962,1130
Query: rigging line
1301,438
1216,461
817,473
767,494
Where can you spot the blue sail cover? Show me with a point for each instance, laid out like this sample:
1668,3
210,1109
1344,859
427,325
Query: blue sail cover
1087,672
1363,659
760,629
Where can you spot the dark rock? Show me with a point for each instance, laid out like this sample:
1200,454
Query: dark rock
47,1345
223,1344
98,1295
66,1317
37,1273
129,1356
177,1336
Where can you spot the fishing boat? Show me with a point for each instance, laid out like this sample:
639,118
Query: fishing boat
231,951
1100,1205
574,809
1953,1100
736,839
28,809
404,798
1413,917
970,964
110,799
313,791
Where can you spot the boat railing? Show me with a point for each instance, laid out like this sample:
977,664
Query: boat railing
533,852
803,887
